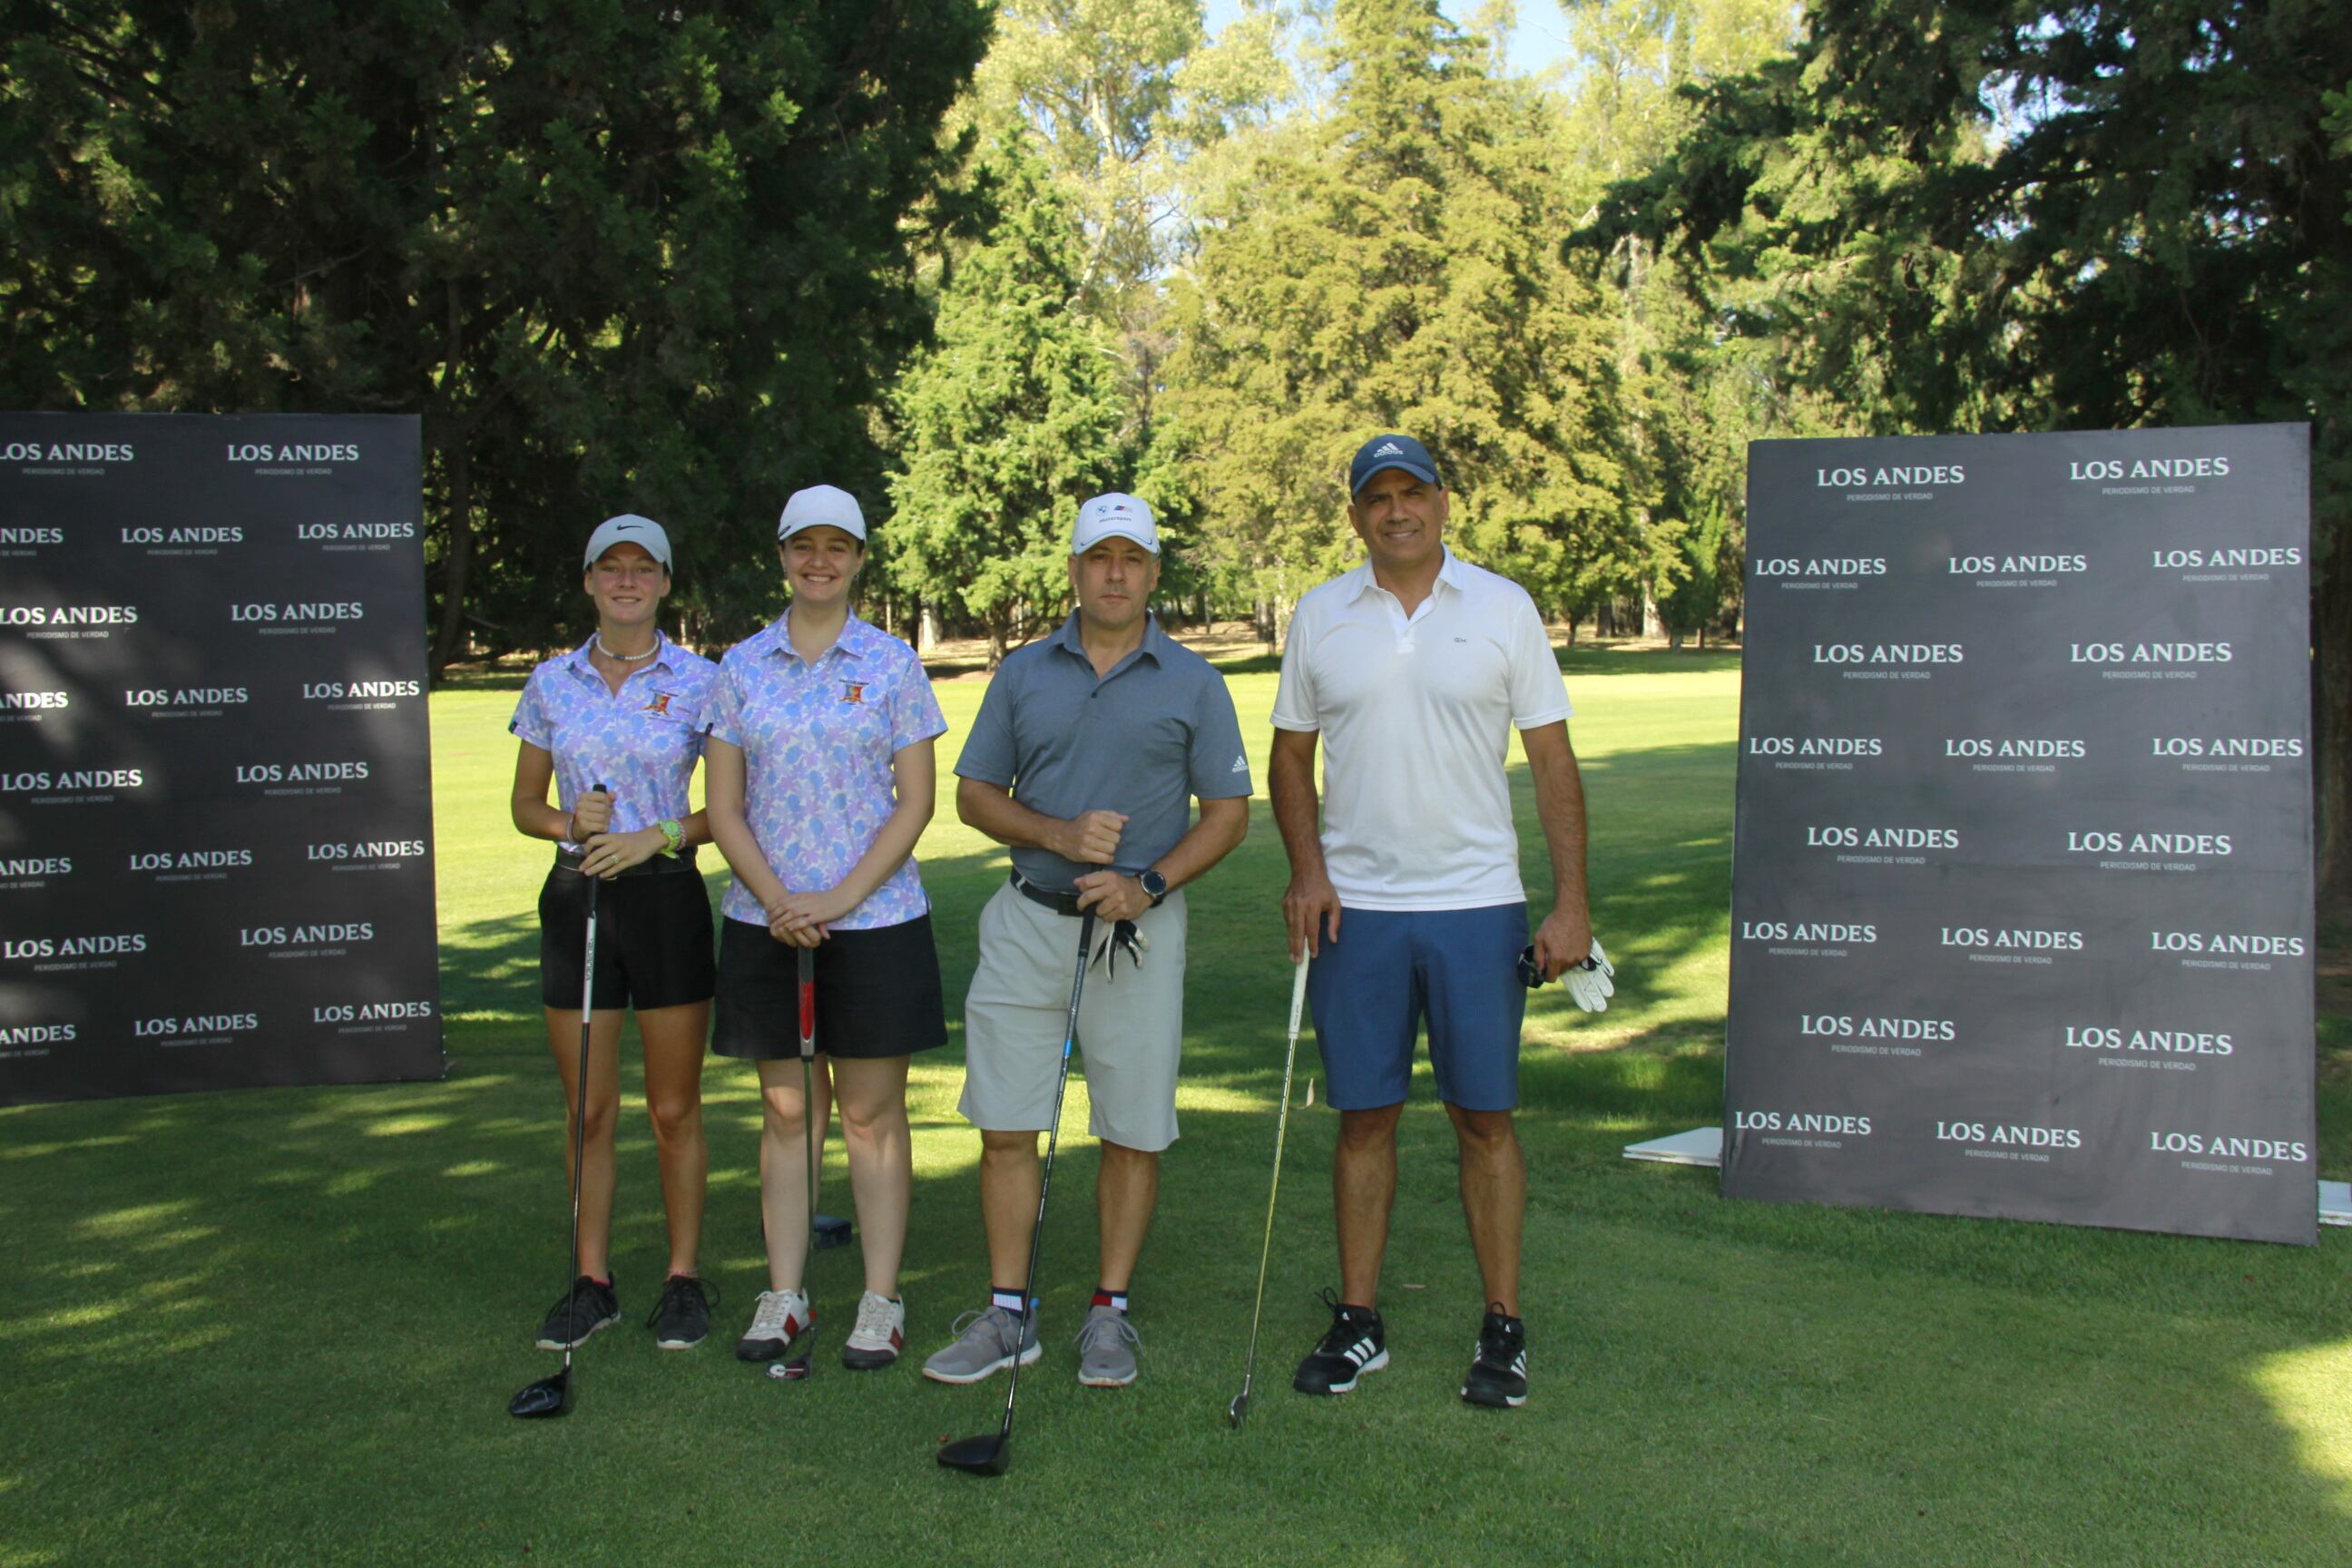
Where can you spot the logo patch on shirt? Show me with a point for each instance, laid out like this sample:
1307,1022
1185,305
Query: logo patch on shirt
853,691
1241,763
659,705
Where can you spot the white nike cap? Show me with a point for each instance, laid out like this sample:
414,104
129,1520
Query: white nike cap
629,529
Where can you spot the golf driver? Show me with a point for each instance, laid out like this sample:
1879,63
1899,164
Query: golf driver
991,1452
552,1396
1238,1411
798,1368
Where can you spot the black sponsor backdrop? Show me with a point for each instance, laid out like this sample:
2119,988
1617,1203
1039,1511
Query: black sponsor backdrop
2021,892
215,811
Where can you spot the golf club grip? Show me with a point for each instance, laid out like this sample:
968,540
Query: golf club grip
808,1001
588,964
1298,994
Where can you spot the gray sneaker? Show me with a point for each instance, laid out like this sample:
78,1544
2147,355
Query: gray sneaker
984,1345
1107,1347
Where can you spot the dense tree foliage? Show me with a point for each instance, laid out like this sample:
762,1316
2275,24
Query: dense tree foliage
1011,419
1985,215
617,256
1390,265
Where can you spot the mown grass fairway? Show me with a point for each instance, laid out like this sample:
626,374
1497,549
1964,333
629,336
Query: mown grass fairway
281,1326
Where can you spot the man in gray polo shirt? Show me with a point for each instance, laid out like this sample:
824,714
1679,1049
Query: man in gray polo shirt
1085,756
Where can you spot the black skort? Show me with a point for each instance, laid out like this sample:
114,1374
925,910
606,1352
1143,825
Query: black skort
877,993
653,938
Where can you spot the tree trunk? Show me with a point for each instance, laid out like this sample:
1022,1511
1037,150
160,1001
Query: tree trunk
927,629
1000,635
2331,734
457,565
1652,623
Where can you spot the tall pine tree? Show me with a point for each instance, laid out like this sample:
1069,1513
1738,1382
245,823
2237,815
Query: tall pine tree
1392,265
1010,419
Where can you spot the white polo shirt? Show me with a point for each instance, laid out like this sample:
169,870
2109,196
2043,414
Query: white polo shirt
1416,715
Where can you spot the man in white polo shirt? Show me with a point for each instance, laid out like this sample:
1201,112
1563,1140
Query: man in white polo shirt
1413,669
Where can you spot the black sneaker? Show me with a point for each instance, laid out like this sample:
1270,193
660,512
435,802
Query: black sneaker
579,1312
1498,1372
683,1314
1358,1342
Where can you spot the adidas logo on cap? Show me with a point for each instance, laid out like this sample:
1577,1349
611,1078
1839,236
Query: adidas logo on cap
1388,449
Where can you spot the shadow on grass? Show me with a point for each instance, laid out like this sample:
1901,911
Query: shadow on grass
281,1325
331,1292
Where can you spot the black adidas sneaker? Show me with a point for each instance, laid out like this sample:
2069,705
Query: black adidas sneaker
1358,1342
1498,1371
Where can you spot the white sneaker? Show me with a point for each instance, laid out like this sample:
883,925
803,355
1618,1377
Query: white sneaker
778,1319
879,1336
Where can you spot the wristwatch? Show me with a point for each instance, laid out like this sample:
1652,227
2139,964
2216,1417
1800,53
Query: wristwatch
674,831
1155,887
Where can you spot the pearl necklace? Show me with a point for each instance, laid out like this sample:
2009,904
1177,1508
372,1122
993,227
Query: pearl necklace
628,657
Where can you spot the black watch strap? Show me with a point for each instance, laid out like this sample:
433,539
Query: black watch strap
1155,886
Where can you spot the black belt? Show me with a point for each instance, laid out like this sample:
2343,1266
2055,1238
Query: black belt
568,861
1060,903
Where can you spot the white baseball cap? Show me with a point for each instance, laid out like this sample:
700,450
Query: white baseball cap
822,506
1114,516
629,529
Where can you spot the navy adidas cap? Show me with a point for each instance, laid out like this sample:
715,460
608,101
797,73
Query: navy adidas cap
1391,452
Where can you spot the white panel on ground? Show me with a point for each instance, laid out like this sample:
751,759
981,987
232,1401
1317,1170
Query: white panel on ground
2335,1203
1699,1146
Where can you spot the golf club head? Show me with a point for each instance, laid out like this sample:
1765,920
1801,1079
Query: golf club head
1238,1411
793,1370
549,1397
984,1456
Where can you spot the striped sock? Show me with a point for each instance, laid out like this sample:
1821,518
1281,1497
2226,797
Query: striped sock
1010,1300
1107,1296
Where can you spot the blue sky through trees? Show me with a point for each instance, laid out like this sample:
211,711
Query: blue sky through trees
1539,38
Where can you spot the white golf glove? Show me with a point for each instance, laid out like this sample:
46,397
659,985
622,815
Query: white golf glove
1589,982
1121,938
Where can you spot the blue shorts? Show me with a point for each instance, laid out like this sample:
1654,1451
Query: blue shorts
1390,969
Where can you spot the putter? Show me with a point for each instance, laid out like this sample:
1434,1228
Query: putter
1238,1411
552,1396
991,1452
798,1369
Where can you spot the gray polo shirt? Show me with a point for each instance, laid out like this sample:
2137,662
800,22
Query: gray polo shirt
1158,729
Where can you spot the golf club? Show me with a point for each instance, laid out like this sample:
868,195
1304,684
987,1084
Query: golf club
991,1452
1238,1411
552,1396
798,1368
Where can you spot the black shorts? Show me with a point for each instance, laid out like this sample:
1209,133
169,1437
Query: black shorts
877,993
652,939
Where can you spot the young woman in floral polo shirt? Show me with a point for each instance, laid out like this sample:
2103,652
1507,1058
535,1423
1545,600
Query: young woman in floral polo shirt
822,778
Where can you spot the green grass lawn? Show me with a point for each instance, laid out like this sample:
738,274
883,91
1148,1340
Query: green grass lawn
281,1326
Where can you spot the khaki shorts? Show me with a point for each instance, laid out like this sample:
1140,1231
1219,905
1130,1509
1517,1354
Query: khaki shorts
1130,1029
